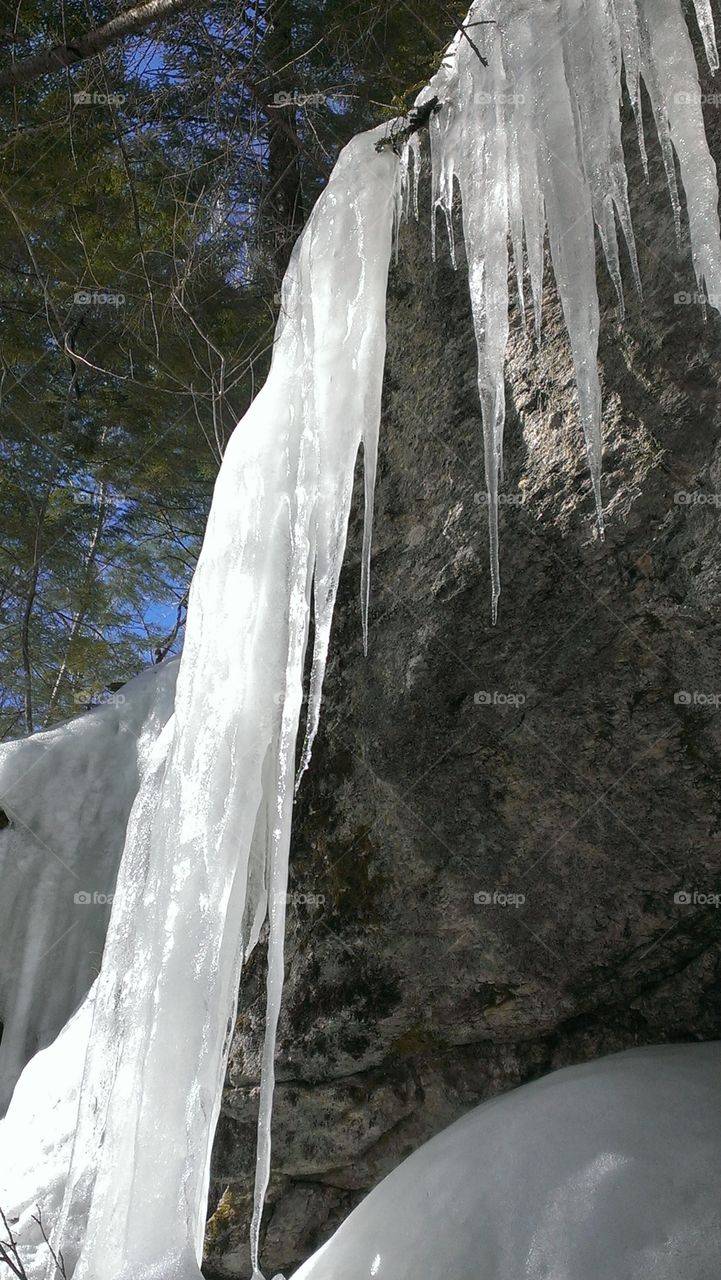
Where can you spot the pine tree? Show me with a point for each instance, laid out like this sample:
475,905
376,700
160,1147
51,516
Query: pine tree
150,198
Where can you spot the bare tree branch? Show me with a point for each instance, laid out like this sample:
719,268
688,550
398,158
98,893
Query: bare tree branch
57,1258
130,22
9,1251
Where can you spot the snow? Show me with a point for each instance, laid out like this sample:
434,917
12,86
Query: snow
534,143
607,1171
36,1141
67,793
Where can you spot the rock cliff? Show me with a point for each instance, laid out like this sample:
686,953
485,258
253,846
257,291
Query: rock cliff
507,848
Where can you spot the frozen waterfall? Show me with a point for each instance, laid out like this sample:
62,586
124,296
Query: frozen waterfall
207,842
527,121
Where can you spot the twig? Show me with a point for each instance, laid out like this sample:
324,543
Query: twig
417,119
487,22
163,649
57,1258
9,1251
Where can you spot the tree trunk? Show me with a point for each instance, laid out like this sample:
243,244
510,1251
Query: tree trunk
129,22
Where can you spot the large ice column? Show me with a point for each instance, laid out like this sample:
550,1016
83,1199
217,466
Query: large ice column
66,796
529,128
596,1172
217,820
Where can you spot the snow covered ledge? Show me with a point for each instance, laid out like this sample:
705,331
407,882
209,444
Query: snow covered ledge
608,1171
65,797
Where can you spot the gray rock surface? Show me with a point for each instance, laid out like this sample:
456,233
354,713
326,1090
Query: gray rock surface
550,758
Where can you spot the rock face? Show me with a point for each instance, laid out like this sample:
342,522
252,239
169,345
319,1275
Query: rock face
507,848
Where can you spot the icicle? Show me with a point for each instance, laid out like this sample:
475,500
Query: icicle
415,150
410,164
704,17
680,118
567,200
444,127
191,885
655,89
534,140
367,329
594,70
627,17
531,197
471,143
516,221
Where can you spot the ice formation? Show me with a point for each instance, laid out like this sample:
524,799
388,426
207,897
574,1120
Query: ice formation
66,796
207,841
534,140
597,1172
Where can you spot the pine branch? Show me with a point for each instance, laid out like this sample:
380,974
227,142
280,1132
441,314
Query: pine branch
130,22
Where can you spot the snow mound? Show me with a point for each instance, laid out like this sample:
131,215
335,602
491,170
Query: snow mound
607,1171
66,795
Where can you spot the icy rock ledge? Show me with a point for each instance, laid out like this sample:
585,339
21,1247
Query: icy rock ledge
607,1171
